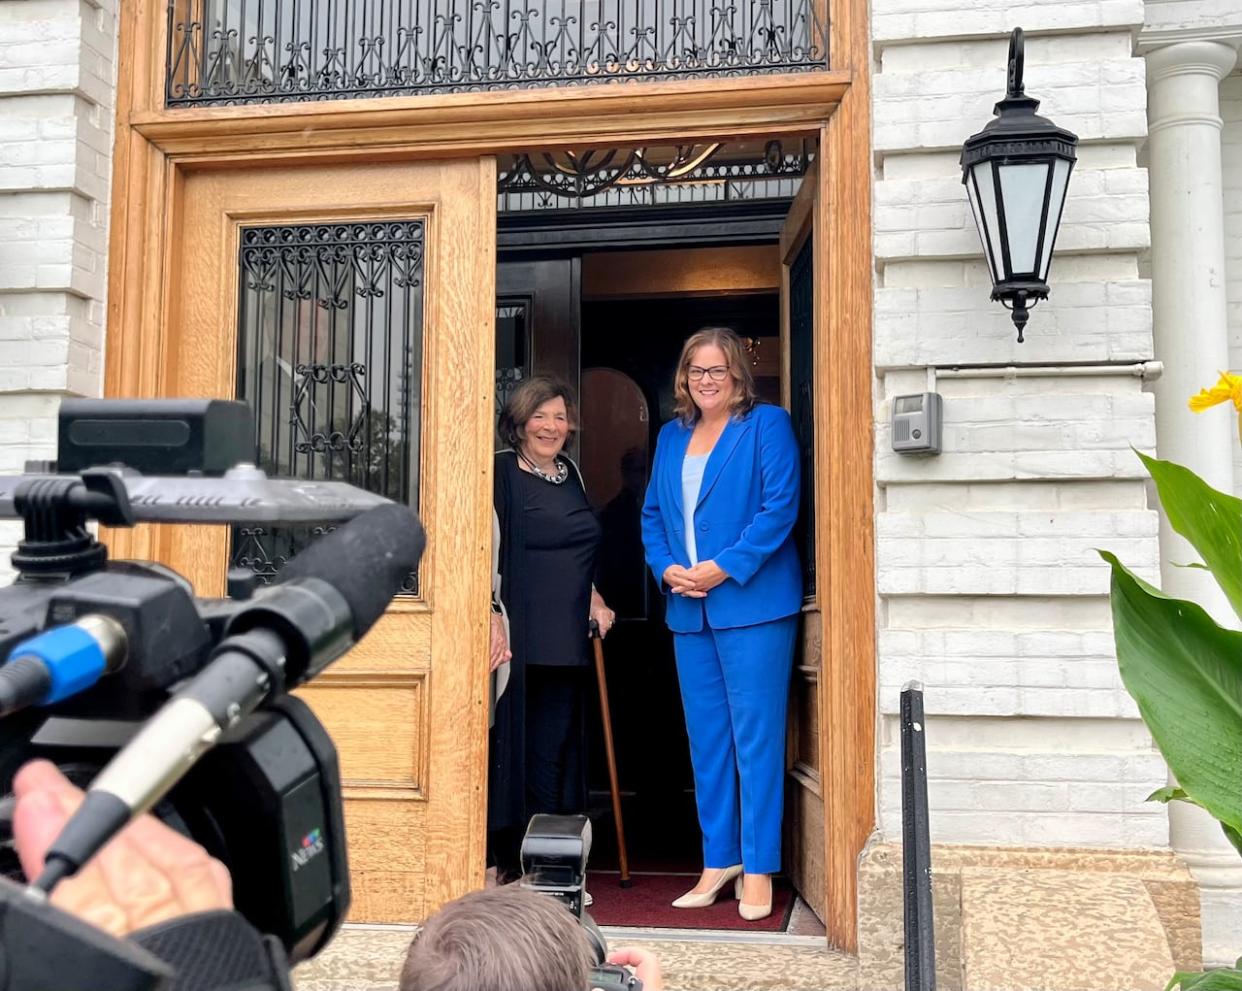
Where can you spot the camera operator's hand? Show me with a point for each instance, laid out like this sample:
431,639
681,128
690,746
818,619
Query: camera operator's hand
148,874
644,964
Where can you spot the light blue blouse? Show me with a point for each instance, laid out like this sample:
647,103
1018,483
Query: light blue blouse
691,481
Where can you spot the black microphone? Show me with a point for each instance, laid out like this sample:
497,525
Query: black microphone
332,593
328,598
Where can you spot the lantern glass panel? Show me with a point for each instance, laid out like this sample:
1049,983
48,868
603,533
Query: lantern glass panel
1022,188
1060,180
983,200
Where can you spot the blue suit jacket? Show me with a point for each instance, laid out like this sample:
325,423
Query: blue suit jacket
745,516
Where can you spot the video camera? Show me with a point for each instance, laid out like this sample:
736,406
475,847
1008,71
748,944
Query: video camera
118,665
554,857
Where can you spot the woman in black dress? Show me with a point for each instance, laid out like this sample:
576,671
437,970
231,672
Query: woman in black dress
549,538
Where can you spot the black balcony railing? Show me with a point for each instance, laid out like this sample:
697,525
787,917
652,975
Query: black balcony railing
276,51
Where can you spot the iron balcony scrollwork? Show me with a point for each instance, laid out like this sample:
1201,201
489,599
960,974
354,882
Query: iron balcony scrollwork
277,51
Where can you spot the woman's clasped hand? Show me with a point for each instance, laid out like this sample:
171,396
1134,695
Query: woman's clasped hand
695,582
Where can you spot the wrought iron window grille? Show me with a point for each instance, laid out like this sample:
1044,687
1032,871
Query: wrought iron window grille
278,51
330,358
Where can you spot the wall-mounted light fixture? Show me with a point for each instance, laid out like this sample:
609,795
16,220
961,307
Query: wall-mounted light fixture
1016,171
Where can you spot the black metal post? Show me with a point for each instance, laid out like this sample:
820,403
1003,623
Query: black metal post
916,845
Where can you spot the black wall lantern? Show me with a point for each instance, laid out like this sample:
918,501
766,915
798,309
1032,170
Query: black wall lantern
1016,171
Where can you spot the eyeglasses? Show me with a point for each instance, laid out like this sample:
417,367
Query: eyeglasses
717,373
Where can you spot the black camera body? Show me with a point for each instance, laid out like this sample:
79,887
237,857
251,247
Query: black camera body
554,858
266,801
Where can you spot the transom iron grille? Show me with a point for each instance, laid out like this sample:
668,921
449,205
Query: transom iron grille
651,176
330,360
277,51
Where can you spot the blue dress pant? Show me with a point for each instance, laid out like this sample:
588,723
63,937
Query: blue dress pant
735,691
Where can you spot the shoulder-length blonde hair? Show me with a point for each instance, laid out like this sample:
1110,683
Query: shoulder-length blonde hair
744,394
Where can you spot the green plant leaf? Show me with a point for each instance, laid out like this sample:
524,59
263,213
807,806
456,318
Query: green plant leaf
1211,520
1171,794
1224,979
1234,837
1180,979
1185,673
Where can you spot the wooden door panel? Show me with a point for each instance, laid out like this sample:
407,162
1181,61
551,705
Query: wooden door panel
407,706
799,325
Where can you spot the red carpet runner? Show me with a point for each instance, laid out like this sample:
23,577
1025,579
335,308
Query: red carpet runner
646,903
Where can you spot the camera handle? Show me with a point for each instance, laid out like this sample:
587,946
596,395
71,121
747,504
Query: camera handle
43,947
55,511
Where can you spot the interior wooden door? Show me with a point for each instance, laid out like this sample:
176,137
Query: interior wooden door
352,305
551,290
805,800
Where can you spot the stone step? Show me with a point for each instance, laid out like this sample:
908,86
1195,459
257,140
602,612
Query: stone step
1024,930
368,958
1035,919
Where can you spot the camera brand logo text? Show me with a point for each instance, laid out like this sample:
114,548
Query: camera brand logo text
312,846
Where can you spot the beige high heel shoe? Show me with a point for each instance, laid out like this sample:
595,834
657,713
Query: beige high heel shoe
752,913
693,899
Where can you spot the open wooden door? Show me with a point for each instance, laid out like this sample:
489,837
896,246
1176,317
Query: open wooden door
826,327
805,785
352,306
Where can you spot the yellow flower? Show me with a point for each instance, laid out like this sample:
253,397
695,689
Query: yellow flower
1228,388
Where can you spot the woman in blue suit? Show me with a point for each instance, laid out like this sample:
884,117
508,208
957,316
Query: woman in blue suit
718,530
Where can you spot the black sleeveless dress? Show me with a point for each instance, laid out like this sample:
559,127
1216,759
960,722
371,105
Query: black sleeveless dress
549,541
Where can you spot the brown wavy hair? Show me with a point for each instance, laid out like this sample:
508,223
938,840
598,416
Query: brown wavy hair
745,395
529,395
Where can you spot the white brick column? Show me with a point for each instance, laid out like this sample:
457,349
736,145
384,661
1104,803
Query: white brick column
57,63
1189,317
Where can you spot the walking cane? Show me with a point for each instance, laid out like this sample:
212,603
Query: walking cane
610,752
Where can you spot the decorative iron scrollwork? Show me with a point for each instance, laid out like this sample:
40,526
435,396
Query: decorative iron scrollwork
277,51
330,358
645,176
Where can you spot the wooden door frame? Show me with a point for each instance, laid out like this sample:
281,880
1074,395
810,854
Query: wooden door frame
154,148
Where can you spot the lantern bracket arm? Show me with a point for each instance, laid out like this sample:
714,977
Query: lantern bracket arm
1017,60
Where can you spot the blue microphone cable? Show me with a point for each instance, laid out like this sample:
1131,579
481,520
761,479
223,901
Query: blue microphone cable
61,662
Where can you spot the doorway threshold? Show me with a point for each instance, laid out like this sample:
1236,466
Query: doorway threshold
622,934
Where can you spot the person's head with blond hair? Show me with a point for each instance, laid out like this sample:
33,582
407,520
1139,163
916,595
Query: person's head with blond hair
713,360
500,939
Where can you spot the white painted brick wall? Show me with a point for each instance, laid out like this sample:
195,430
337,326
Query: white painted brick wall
1081,322
1105,211
1102,94
1033,428
1190,15
56,108
1071,673
1052,781
992,593
901,20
